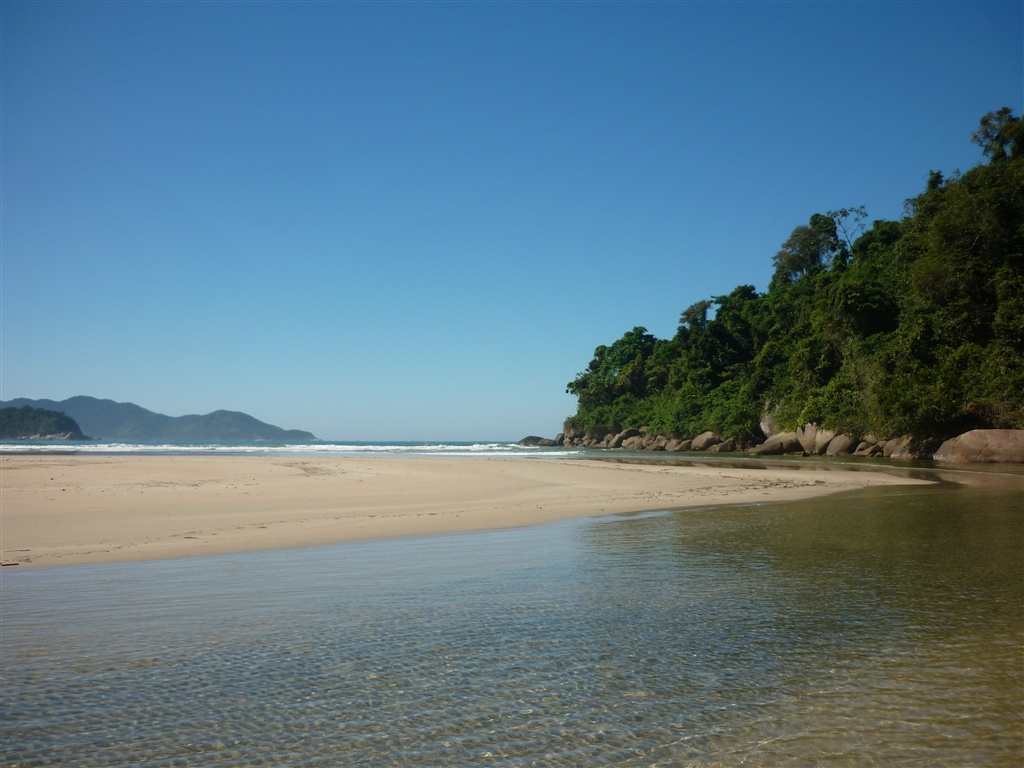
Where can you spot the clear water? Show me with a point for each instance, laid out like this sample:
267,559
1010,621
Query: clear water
879,628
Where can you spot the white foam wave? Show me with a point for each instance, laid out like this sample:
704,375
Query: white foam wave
447,449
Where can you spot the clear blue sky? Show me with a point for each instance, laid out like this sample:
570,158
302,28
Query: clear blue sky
418,220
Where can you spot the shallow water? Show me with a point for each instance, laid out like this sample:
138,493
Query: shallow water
878,628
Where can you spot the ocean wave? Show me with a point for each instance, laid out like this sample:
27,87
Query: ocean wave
447,449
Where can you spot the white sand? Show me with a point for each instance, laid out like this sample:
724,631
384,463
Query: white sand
59,510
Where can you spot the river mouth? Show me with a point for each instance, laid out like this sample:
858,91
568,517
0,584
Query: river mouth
881,626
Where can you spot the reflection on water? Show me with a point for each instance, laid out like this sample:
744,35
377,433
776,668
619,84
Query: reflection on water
877,628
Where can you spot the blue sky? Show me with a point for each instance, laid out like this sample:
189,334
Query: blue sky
418,220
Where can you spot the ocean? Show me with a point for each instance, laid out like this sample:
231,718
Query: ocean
343,448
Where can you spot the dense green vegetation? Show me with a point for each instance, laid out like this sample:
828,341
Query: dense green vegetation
27,421
109,420
911,326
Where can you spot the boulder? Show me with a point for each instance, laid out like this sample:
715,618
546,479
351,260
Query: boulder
560,438
908,447
806,435
705,440
768,424
822,439
634,443
676,444
624,435
783,442
919,448
571,433
839,445
535,441
984,446
658,443
893,444
864,448
723,447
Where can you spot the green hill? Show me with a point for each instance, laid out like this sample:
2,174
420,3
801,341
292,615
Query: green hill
27,422
910,326
127,422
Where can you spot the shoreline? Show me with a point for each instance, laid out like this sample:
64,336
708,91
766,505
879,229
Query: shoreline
74,510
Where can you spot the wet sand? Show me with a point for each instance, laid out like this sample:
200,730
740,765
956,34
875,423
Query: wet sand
63,510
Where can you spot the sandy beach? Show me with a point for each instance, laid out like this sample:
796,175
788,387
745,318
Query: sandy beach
62,510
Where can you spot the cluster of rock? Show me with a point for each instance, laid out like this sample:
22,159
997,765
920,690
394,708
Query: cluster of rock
976,446
812,440
54,436
633,440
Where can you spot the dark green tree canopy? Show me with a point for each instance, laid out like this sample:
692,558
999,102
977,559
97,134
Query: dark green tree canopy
1000,135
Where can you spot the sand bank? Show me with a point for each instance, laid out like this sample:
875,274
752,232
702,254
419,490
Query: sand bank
61,510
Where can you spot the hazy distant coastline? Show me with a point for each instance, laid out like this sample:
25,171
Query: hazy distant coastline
128,422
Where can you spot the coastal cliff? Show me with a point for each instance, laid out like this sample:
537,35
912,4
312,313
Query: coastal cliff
871,340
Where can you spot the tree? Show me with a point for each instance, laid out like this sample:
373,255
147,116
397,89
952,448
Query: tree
1000,135
807,248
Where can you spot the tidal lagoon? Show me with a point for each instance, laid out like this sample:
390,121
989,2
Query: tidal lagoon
877,627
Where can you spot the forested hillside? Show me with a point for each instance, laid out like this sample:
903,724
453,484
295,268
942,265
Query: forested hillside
109,420
910,326
26,422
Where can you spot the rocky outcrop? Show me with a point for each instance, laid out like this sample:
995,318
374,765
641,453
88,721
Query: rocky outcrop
723,447
895,444
54,436
867,449
634,443
617,440
839,445
533,441
984,446
675,445
783,442
908,448
705,440
806,435
821,440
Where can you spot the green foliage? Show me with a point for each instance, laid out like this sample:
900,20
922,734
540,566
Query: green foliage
27,421
907,326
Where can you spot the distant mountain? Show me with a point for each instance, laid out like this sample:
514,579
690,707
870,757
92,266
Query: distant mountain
28,423
127,422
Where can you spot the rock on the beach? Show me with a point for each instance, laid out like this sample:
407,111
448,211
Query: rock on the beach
624,435
986,446
865,448
658,443
676,444
634,443
723,447
783,442
705,440
839,445
534,440
806,435
822,439
908,447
